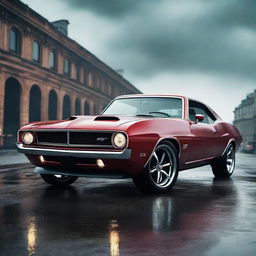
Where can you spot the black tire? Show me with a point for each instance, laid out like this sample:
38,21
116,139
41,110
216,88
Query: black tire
161,172
59,180
224,166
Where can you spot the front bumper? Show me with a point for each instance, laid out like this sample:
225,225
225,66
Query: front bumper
125,154
109,174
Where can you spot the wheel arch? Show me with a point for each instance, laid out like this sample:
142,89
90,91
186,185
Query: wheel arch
172,140
231,142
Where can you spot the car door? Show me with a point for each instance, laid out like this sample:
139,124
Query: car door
204,134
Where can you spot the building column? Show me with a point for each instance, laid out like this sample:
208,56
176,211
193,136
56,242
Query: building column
4,33
81,75
26,45
92,107
45,56
24,102
2,93
73,101
60,97
44,102
60,61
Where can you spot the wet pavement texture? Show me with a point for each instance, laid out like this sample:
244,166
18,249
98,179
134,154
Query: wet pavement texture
200,216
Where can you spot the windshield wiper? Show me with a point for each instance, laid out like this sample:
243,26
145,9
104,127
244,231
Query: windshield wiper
160,113
148,115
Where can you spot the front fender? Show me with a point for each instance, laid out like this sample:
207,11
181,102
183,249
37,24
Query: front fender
142,146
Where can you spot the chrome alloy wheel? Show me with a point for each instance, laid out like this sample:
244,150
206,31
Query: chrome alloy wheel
162,167
230,162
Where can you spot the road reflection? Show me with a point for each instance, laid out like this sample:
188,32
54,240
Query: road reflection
114,238
31,236
117,220
161,213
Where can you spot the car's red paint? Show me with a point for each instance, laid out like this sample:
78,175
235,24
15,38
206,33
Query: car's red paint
197,143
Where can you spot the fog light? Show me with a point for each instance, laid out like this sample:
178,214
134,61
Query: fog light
41,158
100,163
28,138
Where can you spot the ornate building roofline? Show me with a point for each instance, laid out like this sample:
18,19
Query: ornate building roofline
25,13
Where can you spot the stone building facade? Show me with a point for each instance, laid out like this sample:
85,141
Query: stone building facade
45,75
245,121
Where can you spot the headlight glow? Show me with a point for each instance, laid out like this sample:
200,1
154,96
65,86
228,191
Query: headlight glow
119,140
27,138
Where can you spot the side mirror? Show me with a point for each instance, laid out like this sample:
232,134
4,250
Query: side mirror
199,117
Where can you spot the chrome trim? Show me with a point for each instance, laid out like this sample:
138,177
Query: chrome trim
67,131
22,138
199,160
112,140
68,138
125,154
74,145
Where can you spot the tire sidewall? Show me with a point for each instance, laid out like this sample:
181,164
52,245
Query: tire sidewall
173,153
53,180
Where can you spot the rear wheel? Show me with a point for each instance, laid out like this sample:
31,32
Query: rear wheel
225,165
59,180
161,172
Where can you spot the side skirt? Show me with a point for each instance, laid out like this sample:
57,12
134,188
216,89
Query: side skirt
196,164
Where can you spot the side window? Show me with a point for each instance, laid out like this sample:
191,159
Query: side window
199,108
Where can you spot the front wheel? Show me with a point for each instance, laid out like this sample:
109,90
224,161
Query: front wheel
224,166
161,172
59,180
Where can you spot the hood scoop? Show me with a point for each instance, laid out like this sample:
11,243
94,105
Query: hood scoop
72,118
106,118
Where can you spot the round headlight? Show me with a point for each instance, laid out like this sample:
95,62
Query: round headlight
119,140
28,138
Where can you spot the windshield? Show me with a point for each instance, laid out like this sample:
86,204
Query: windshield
146,106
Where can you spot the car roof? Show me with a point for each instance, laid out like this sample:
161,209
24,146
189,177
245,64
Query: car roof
151,95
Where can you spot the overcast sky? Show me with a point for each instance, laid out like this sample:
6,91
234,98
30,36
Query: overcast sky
204,49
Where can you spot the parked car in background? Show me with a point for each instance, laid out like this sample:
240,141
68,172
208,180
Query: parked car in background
248,147
148,138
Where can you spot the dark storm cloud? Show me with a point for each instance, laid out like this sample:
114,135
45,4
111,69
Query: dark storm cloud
109,8
180,35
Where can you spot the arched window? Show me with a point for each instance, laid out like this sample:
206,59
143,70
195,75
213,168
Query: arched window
66,111
36,52
52,60
86,108
12,98
15,41
34,104
95,110
77,107
52,109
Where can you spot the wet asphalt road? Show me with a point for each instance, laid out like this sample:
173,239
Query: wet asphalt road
201,216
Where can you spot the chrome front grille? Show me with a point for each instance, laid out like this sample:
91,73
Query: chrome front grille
74,138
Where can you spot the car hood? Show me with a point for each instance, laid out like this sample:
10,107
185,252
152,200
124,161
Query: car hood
88,123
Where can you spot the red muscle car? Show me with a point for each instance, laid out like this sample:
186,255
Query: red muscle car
149,138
